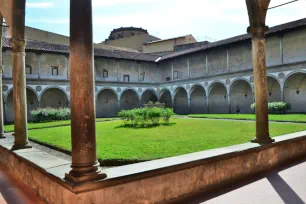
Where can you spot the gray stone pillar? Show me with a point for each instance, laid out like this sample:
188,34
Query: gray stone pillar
282,96
229,103
1,93
189,104
85,166
5,111
207,105
119,105
19,77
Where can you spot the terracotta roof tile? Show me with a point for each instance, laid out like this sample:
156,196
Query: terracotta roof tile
273,30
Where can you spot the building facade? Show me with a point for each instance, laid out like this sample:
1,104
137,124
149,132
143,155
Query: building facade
212,78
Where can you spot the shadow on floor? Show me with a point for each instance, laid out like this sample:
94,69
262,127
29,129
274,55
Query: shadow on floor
285,192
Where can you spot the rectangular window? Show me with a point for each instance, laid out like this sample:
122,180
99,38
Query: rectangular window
175,75
126,78
142,76
28,69
105,73
54,71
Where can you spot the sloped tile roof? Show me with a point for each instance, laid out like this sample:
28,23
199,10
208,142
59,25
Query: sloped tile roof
273,30
64,49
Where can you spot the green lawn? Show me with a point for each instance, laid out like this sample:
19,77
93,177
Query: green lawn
288,117
10,128
183,136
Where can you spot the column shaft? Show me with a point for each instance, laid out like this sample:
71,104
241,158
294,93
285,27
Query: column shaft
261,90
1,94
85,166
19,77
229,103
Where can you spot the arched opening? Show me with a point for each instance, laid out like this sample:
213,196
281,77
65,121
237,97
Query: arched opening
295,92
54,98
166,98
147,96
274,90
181,101
218,99
198,100
32,103
107,104
129,100
241,97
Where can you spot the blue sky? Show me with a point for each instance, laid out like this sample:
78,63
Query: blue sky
216,19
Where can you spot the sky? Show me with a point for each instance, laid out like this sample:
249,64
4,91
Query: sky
204,19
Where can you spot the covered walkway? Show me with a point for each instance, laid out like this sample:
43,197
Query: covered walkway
283,185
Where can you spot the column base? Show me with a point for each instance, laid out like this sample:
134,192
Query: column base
267,140
85,174
83,178
21,146
2,136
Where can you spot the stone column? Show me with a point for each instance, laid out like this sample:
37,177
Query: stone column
1,94
5,111
85,166
207,104
119,104
261,84
229,103
19,77
189,104
282,95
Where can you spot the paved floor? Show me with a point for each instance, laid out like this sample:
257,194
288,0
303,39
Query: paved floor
284,185
13,191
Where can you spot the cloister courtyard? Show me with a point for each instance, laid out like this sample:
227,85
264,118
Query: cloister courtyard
121,145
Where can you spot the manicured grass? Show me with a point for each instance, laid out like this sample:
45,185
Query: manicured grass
183,136
10,128
287,117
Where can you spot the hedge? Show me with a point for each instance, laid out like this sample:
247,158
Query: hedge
146,116
276,107
50,114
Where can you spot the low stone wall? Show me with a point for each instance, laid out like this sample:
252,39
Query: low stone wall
157,181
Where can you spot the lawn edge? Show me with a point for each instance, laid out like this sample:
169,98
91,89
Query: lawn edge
244,119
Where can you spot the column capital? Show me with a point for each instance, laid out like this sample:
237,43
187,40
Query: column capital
18,45
257,31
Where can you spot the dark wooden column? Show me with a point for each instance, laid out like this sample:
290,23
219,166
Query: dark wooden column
257,10
19,77
85,166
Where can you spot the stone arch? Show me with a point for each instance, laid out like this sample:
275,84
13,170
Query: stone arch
218,101
107,103
166,97
241,94
148,95
54,97
211,86
129,99
198,99
274,89
32,103
295,91
181,101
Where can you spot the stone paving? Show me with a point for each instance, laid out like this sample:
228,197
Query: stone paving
285,185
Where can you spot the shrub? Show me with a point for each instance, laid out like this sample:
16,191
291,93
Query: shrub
50,114
146,116
276,107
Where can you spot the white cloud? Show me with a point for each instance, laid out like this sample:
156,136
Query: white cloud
39,4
